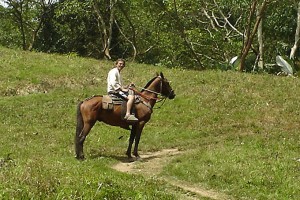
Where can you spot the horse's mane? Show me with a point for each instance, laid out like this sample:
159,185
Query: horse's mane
149,83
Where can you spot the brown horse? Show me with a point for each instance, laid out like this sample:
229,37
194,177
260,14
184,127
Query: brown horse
90,110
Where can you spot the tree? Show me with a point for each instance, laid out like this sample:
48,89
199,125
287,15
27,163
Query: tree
297,35
138,24
196,34
105,22
76,29
260,56
250,34
9,33
28,16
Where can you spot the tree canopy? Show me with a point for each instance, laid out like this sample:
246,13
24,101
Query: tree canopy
179,33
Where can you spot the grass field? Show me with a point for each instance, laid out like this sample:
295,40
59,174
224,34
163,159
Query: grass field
238,133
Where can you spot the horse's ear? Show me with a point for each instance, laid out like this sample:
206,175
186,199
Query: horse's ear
162,75
156,74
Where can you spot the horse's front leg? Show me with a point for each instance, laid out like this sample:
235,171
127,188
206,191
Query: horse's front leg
139,130
131,140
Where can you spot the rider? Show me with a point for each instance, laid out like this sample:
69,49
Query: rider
114,87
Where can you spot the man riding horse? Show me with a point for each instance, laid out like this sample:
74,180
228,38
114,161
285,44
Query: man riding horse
115,88
96,108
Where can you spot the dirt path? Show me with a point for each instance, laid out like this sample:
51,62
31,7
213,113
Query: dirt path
152,165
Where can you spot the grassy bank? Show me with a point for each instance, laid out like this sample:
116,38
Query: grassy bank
239,132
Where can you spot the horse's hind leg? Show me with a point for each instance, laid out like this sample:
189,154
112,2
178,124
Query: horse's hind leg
81,138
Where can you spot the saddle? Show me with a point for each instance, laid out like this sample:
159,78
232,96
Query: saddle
108,101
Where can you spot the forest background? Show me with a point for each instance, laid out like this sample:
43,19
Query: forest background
196,34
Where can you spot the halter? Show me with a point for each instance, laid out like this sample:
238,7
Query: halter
151,91
145,96
154,92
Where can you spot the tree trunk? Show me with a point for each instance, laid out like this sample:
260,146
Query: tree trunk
29,27
297,37
132,42
260,43
35,33
111,23
106,32
17,11
250,35
247,43
133,31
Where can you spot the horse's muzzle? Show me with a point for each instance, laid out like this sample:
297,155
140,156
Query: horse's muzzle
172,95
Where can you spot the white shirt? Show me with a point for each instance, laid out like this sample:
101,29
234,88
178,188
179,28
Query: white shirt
114,80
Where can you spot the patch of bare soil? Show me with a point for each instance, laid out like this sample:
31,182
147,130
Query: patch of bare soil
153,163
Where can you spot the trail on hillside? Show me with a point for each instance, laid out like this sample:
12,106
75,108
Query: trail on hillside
152,165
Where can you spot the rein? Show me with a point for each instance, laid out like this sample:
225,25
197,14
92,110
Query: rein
145,96
164,100
151,91
157,99
151,98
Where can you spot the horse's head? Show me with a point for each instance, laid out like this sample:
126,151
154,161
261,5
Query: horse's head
166,89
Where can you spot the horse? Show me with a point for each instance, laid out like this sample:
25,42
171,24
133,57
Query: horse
90,111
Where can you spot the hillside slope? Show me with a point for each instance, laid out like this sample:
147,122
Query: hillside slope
237,133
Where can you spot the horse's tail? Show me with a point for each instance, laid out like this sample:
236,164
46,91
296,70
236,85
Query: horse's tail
79,126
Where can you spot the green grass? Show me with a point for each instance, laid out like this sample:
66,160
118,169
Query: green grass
239,132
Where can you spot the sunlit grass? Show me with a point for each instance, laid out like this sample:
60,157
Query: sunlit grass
238,132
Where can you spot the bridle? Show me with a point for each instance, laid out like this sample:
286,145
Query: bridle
154,92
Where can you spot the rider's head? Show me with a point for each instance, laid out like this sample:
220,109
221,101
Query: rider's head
120,64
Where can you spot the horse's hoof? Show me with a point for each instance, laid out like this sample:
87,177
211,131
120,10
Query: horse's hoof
81,157
130,159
